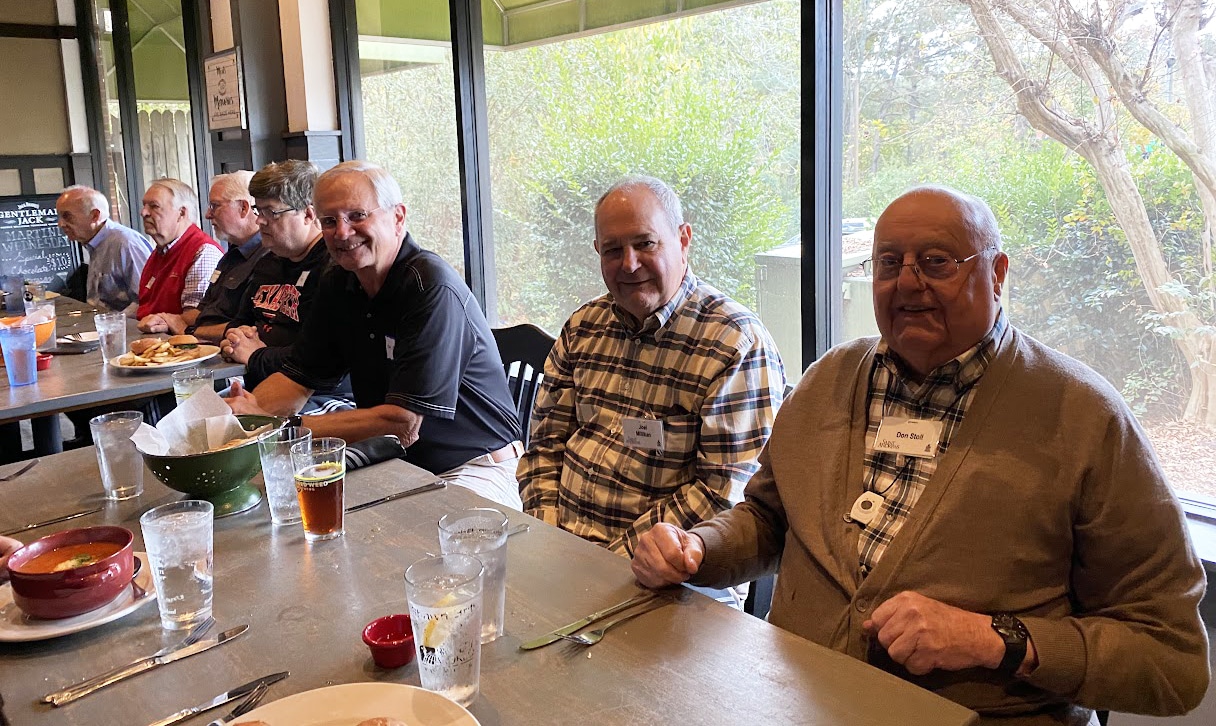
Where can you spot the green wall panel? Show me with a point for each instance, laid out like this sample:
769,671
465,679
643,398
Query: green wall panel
420,19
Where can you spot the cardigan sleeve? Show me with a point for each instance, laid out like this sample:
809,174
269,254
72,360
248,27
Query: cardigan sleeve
1135,641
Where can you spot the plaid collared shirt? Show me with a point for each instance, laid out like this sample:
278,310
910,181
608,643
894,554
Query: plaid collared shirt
702,364
944,396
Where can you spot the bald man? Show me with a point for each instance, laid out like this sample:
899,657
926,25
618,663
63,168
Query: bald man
963,506
116,254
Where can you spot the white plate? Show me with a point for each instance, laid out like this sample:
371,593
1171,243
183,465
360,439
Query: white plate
209,351
17,627
348,704
88,336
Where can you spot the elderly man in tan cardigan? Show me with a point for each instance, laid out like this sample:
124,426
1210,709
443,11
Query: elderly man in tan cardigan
963,506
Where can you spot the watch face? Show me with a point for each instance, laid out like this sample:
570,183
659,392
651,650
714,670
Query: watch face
1008,626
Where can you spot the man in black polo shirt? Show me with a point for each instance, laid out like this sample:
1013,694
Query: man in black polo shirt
283,285
404,325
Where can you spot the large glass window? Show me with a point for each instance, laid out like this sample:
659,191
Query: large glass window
710,103
1095,177
409,112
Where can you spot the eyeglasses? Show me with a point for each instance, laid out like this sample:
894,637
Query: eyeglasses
929,267
352,218
272,213
212,206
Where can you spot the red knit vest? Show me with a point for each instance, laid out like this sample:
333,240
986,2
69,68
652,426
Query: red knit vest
164,275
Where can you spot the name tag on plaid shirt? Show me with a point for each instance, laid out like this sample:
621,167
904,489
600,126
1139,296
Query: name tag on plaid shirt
643,433
908,436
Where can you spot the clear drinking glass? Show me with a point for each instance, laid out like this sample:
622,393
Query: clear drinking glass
35,295
20,354
112,332
38,313
278,473
320,472
444,594
189,381
178,538
483,533
122,467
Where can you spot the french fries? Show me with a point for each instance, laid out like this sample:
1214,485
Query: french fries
159,355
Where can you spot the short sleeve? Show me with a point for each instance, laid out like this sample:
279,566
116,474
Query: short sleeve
433,346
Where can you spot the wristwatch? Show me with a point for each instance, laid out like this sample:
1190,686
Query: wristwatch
297,420
1015,635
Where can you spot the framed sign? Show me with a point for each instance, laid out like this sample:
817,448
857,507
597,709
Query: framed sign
225,91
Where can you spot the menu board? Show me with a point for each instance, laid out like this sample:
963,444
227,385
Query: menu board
31,244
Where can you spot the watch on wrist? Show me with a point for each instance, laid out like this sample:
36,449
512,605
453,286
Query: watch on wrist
295,420
1015,635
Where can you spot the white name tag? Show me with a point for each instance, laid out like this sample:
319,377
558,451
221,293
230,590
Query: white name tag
643,433
215,275
390,344
303,277
151,282
909,436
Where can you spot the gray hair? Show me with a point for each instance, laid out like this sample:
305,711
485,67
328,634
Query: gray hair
182,195
234,186
661,191
90,199
290,182
388,192
976,216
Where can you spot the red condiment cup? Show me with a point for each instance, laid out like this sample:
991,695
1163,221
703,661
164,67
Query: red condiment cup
44,361
391,640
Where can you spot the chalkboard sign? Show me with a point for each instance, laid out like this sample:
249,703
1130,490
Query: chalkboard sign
31,244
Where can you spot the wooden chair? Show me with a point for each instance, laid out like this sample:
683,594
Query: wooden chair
523,348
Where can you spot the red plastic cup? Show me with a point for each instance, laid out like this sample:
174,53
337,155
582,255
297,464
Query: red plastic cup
44,361
391,640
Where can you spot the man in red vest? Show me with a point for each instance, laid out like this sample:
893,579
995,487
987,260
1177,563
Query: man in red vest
179,270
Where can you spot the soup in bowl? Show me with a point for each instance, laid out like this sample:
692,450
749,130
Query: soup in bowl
72,572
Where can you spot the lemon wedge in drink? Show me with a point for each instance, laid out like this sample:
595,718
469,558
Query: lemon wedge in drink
437,631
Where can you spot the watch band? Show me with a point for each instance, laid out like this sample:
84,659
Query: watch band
1015,635
295,420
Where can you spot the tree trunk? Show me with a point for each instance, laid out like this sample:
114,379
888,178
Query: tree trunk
1098,143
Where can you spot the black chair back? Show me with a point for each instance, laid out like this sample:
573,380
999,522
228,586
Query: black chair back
525,348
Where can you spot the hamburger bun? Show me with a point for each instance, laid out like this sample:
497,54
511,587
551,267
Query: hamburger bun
143,344
183,341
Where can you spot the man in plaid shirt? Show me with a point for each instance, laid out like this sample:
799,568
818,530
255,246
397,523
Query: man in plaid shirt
658,396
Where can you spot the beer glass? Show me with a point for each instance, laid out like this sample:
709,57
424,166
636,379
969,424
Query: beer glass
320,467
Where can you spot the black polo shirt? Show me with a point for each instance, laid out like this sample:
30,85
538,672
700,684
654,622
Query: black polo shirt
230,283
423,344
281,295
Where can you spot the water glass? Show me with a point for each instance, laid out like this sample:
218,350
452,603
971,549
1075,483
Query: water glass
112,331
278,473
35,294
320,472
178,538
444,594
482,533
122,466
189,381
40,312
20,354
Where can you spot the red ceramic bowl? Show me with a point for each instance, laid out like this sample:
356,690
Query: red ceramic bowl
65,594
391,640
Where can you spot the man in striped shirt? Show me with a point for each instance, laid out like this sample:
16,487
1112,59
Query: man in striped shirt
658,396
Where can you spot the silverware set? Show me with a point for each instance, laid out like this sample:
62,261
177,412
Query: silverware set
591,637
577,625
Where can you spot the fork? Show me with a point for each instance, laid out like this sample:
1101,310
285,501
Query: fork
251,701
592,637
19,472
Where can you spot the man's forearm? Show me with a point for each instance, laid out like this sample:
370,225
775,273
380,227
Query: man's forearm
364,423
212,333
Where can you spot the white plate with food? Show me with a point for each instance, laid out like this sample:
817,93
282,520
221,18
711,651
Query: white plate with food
351,704
155,354
17,627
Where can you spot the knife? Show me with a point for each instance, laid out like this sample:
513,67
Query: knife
219,700
399,495
556,635
56,520
142,666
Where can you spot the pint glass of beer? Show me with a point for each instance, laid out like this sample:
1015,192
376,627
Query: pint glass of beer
320,467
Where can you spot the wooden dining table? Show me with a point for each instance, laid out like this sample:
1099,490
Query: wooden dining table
83,380
695,661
